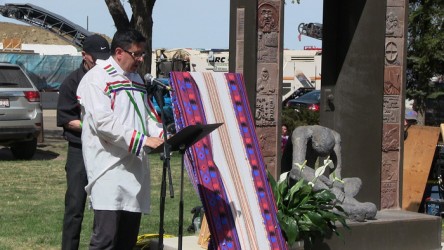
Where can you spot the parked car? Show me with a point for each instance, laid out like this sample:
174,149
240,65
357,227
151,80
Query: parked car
21,116
297,93
310,101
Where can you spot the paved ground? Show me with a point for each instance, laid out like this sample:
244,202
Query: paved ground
49,120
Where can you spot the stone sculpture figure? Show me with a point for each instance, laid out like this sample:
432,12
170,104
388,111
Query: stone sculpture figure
311,142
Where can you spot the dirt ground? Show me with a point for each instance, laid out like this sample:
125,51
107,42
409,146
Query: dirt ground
30,34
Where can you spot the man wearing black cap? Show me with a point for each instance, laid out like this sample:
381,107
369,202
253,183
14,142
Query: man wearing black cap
68,116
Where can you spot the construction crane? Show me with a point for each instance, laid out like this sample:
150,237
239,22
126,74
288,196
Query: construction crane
42,18
313,30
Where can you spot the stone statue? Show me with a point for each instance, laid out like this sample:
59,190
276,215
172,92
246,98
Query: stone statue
312,142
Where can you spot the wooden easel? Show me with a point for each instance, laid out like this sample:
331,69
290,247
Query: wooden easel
204,234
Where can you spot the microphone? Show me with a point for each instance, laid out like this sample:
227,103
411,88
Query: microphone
150,80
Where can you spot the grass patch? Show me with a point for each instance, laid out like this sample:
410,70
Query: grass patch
32,200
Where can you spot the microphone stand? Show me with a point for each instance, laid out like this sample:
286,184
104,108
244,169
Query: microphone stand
165,157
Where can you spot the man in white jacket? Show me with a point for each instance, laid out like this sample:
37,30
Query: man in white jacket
118,121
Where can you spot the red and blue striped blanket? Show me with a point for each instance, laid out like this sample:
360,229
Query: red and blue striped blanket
227,168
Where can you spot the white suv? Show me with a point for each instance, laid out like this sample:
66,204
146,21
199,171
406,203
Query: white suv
21,116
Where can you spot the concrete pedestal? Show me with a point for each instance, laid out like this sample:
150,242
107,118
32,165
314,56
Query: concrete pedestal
392,229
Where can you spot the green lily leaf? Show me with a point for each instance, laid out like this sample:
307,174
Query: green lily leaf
316,219
308,207
325,195
340,208
290,227
296,187
283,188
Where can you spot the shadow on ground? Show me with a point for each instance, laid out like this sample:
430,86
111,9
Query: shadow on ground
49,149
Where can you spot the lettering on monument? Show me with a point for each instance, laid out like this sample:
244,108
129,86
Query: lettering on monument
265,111
389,192
240,25
240,37
240,56
391,109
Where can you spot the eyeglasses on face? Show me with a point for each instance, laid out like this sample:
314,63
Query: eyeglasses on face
135,55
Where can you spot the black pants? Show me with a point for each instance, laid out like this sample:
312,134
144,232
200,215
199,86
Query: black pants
75,197
115,230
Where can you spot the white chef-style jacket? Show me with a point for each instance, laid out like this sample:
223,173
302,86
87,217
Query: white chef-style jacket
117,119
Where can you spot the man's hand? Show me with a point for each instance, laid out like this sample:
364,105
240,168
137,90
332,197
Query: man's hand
74,125
153,142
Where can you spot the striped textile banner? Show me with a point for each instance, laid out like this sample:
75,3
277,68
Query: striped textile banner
227,167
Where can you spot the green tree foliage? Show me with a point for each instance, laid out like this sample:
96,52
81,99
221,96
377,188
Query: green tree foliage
141,20
294,119
425,49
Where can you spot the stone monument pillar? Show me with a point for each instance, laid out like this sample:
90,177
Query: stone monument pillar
268,84
352,95
243,43
393,109
257,54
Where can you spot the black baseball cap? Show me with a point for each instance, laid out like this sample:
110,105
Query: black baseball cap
97,46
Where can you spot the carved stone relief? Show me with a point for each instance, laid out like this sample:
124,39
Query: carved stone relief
394,51
268,93
389,170
393,102
390,137
266,140
268,17
267,74
392,80
394,22
268,33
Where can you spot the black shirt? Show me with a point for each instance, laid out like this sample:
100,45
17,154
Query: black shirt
68,108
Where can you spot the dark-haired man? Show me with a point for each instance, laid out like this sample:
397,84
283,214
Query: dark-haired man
118,121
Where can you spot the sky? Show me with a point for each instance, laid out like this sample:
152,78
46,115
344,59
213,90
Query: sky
182,24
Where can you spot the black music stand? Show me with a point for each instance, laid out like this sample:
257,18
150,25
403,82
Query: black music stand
181,141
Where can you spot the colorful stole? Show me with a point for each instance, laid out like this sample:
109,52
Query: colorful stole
227,168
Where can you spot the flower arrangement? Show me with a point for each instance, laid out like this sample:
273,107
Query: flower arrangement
304,213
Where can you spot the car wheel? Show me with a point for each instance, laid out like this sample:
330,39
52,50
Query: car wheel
24,150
